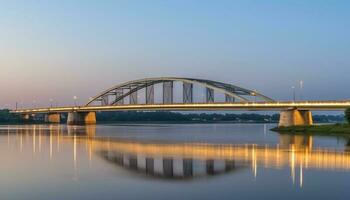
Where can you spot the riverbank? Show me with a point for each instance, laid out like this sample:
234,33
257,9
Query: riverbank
327,129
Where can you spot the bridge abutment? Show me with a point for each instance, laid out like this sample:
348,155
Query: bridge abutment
295,117
81,118
53,118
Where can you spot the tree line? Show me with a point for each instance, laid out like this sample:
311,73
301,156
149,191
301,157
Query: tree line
347,115
165,116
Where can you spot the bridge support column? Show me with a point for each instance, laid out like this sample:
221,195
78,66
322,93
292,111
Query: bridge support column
187,92
209,95
53,118
229,99
118,94
81,118
150,94
168,92
295,117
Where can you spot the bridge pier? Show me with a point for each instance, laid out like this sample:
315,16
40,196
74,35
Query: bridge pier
53,118
295,117
81,118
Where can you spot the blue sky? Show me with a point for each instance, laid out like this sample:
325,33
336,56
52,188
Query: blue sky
58,49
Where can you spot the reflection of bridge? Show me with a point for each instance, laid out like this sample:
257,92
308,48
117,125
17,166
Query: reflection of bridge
160,93
169,167
186,160
191,160
269,156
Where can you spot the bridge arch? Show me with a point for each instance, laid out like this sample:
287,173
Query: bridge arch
129,89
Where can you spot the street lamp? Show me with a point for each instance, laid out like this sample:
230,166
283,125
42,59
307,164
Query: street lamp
75,100
301,85
51,100
293,88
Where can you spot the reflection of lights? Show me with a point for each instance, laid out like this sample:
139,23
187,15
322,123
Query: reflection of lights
8,136
90,151
292,163
58,139
75,150
278,155
246,152
50,145
254,163
301,174
272,156
75,157
300,155
306,158
21,143
34,135
39,142
265,154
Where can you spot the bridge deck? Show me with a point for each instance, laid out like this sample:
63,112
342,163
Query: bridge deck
253,106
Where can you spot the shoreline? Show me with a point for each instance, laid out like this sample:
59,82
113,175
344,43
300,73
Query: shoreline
324,129
149,122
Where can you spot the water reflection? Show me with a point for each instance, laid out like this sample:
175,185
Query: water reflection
169,167
182,161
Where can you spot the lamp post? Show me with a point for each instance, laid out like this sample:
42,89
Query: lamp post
51,100
75,100
293,88
301,85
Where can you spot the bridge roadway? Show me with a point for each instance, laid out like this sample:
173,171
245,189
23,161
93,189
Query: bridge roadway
291,112
250,106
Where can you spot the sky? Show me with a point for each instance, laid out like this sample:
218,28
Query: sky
60,49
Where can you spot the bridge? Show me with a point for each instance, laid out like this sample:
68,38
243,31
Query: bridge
181,94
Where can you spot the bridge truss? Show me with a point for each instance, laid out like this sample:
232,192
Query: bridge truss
129,90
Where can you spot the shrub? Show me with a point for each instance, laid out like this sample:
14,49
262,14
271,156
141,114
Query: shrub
347,115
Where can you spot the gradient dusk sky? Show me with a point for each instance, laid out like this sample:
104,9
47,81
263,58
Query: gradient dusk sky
58,49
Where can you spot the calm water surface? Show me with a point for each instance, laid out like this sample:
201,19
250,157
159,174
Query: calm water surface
170,161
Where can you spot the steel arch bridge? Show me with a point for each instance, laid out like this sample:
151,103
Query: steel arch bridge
117,94
236,98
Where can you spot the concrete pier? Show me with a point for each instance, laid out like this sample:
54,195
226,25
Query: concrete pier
81,118
53,118
295,117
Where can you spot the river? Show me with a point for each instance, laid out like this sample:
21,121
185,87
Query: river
170,161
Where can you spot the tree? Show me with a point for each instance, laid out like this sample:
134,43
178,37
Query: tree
347,115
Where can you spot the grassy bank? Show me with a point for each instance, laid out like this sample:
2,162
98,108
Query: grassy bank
321,129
